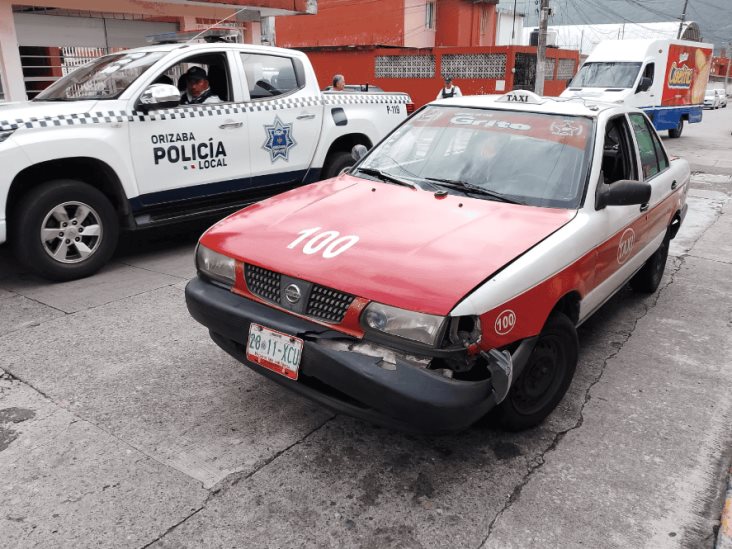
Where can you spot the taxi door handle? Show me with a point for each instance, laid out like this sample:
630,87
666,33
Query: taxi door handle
673,185
231,125
644,207
308,116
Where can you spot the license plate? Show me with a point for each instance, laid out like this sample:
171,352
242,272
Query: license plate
274,350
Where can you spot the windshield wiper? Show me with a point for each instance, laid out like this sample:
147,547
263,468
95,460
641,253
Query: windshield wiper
476,189
385,176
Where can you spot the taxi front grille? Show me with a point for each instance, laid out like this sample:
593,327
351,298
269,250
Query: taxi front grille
263,283
322,303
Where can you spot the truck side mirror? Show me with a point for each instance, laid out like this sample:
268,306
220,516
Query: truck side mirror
358,152
622,193
645,84
159,96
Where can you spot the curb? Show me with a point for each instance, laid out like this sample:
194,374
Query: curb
724,538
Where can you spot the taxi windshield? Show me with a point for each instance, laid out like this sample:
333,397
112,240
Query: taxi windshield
523,157
103,78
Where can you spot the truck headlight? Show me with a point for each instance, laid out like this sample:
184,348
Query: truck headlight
5,134
215,265
411,325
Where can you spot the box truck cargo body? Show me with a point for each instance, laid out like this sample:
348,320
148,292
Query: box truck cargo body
665,78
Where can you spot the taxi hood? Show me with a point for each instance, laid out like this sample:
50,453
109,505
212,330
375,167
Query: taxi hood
414,250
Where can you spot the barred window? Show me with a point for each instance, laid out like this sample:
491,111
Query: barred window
404,66
565,71
481,65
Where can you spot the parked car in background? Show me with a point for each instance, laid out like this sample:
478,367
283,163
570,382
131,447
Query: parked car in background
110,147
722,97
712,100
445,275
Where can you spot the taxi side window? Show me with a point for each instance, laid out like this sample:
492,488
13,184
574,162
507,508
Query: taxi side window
653,158
269,75
618,160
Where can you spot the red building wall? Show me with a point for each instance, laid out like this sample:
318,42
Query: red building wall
358,68
461,23
339,23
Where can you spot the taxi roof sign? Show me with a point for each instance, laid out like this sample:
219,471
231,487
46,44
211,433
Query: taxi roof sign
522,96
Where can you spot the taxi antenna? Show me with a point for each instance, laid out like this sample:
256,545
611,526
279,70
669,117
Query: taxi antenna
204,31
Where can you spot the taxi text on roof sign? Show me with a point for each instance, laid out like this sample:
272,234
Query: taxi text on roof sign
522,96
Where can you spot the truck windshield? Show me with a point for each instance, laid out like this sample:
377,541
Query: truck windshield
606,75
103,78
528,158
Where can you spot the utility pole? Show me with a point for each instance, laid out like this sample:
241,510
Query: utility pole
683,18
541,48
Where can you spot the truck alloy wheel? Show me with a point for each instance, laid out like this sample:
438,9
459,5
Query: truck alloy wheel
64,229
71,232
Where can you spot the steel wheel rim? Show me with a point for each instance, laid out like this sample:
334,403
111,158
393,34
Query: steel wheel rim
541,377
71,232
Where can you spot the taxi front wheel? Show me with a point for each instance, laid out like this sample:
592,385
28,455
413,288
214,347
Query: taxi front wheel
64,229
545,378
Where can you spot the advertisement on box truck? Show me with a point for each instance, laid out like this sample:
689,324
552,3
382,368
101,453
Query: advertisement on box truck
665,78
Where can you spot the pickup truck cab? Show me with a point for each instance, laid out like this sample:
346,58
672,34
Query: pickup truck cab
446,274
109,146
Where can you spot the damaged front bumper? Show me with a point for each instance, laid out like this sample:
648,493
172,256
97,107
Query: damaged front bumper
392,390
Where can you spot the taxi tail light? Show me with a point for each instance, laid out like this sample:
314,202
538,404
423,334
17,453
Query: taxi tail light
410,108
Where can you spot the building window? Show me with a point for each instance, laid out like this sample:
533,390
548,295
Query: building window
429,15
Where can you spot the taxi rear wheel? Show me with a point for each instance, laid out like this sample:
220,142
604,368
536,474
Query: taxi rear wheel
649,277
64,230
545,377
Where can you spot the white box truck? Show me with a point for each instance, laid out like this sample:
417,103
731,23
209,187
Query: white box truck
664,78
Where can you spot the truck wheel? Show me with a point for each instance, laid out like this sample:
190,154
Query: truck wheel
64,230
545,377
337,162
649,277
676,132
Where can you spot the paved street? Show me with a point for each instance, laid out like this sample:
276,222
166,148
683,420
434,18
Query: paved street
123,425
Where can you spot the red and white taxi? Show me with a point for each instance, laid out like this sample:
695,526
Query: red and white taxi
446,274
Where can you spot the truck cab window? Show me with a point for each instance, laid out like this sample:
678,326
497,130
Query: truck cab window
217,72
617,159
269,75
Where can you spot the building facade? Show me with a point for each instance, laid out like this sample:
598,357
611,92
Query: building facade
41,40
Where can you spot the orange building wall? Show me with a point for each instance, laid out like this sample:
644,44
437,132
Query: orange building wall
459,24
375,22
358,68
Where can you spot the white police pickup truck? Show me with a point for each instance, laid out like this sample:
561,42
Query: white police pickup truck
109,146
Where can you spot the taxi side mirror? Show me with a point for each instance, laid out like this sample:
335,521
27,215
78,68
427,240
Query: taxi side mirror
358,152
159,96
622,193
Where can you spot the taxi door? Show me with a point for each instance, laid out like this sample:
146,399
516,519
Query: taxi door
192,151
285,119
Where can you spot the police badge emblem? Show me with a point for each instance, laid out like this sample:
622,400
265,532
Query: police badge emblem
279,140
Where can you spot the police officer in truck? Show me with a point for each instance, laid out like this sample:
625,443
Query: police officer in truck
449,90
198,90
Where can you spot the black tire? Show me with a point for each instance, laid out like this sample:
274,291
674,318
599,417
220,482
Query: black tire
79,253
545,378
649,277
677,131
336,163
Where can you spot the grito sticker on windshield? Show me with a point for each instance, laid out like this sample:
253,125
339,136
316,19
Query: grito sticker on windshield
567,130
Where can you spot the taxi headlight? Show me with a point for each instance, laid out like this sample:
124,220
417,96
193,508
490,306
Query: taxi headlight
411,325
215,265
5,134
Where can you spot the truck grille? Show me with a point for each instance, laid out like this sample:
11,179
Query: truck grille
323,303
